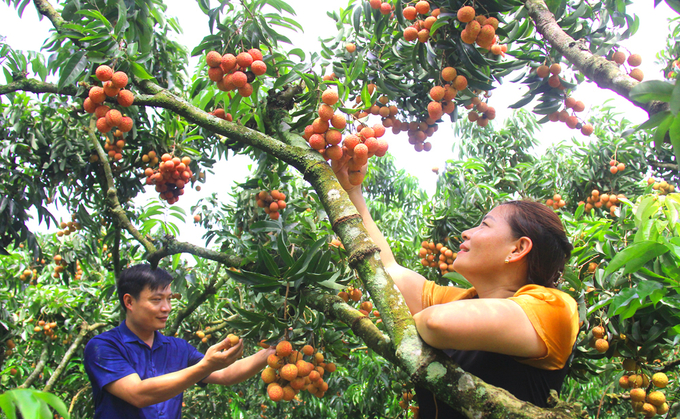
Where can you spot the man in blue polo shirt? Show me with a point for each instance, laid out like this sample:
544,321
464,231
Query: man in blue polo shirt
136,372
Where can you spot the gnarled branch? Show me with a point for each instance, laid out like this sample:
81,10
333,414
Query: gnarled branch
603,72
112,195
171,247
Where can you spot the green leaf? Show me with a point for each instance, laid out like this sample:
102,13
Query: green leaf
73,69
7,406
635,256
675,99
141,72
96,15
54,401
269,262
674,133
457,279
121,24
625,304
652,90
660,133
655,120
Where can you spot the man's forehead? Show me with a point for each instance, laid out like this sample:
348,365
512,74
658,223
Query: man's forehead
148,291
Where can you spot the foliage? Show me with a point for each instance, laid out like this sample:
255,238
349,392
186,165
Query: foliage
623,271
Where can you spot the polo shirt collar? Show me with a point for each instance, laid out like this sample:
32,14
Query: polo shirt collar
129,336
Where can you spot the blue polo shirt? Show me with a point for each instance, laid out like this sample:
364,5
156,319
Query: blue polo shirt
118,353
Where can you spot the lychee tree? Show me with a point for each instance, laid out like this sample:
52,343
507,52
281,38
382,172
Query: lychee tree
272,276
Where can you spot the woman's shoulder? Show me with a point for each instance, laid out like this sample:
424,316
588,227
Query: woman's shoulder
549,295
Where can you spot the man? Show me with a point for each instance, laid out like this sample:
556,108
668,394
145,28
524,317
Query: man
136,372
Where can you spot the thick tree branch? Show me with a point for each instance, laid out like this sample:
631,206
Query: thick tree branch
84,330
361,325
171,247
38,368
46,9
662,165
112,195
603,72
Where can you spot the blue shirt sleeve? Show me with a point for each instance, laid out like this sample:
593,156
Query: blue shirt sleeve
194,357
105,363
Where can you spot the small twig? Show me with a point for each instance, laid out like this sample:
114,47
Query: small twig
73,401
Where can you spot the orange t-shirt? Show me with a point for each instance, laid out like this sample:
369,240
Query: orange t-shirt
553,313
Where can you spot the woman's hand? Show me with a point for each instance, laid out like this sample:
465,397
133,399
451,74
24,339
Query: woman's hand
345,176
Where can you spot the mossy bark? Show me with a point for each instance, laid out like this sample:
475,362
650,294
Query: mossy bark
606,74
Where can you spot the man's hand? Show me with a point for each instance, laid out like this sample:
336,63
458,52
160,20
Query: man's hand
216,357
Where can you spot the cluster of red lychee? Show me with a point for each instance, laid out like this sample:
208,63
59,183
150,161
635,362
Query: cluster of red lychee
633,60
663,187
360,147
235,72
288,372
418,131
616,167
420,29
384,6
571,120
59,267
27,274
556,201
482,114
480,29
172,175
652,403
365,307
272,202
220,113
113,87
597,200
436,255
443,96
47,329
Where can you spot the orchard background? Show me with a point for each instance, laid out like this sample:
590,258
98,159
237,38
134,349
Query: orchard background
267,276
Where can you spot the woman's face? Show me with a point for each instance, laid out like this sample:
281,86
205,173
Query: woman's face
485,247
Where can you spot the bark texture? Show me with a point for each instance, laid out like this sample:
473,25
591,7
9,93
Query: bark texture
603,72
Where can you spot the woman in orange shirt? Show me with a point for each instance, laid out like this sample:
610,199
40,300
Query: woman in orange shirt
513,329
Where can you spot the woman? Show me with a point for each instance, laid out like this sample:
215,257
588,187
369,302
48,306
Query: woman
513,329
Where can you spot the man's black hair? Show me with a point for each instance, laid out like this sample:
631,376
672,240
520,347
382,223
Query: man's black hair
134,279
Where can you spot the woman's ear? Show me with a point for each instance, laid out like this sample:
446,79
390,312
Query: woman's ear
522,248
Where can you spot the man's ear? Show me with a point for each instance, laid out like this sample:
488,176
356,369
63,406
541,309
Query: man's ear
128,300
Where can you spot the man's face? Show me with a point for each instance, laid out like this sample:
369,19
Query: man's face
151,309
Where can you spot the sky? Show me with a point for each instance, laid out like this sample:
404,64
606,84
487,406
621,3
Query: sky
647,42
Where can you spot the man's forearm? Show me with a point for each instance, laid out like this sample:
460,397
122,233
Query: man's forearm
159,389
240,370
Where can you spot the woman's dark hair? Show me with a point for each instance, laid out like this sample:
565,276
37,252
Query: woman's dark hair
134,279
551,248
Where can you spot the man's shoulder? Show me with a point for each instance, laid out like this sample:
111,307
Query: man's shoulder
110,336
